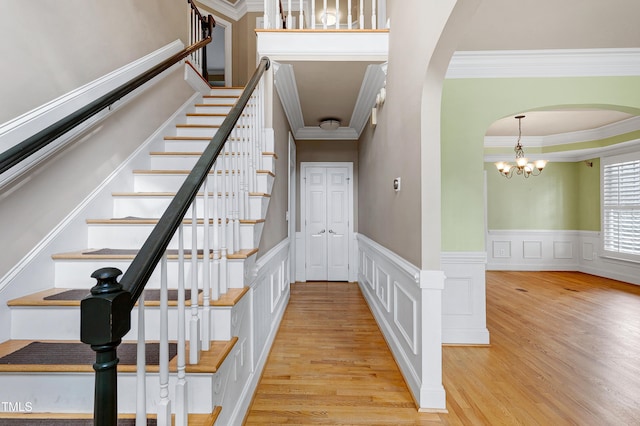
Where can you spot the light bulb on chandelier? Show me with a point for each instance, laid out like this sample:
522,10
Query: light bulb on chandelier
522,166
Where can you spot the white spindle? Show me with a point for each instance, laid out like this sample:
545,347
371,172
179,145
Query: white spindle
215,294
301,17
313,14
324,16
206,270
349,15
361,21
265,17
181,385
141,366
337,14
374,20
164,405
223,223
194,324
236,191
289,16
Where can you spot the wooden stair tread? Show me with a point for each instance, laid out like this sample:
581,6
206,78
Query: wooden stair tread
231,298
206,114
186,172
214,105
173,194
153,221
198,126
190,153
129,254
210,361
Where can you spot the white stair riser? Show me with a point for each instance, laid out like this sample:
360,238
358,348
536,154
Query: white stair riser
187,162
26,323
151,207
197,132
171,182
74,392
134,235
212,109
206,119
77,273
226,91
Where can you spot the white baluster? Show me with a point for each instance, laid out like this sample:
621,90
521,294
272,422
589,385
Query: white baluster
181,385
301,17
313,14
215,294
289,17
164,405
361,14
236,192
194,324
349,15
337,14
324,16
374,20
206,271
265,18
141,368
223,224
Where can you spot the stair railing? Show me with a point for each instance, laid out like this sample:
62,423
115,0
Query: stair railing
230,163
201,29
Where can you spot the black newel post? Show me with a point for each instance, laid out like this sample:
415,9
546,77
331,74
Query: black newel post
206,32
105,317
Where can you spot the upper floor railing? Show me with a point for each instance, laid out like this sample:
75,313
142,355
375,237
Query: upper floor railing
325,14
201,28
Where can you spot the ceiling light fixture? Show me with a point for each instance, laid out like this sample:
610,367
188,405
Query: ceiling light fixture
329,123
522,167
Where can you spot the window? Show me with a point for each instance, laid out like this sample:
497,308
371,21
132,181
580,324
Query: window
621,206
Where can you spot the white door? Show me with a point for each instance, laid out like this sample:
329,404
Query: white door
327,222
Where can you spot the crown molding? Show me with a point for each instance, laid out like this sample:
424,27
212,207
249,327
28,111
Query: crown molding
316,133
545,63
578,154
610,130
374,80
235,12
285,82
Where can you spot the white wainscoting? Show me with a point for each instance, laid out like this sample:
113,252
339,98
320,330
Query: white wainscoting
464,313
269,298
406,303
556,250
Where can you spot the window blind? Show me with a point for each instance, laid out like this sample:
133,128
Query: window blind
621,209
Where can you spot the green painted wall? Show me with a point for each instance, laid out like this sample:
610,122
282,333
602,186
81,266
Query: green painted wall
470,106
566,196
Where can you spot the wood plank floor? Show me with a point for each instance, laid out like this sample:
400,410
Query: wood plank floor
565,350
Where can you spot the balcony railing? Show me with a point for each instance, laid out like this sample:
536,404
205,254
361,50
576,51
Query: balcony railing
325,14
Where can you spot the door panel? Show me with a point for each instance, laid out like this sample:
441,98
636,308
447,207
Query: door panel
338,223
316,226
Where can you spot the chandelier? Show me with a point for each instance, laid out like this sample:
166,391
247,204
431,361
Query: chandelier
522,166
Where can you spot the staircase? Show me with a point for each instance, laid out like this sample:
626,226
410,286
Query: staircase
40,376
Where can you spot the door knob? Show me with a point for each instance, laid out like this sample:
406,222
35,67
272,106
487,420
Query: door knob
322,232
331,231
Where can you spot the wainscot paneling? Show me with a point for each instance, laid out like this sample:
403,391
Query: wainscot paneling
406,303
559,251
463,299
269,296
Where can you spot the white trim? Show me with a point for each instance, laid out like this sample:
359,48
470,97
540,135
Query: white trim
20,128
409,317
545,63
235,12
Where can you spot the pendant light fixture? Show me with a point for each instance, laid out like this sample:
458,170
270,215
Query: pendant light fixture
522,166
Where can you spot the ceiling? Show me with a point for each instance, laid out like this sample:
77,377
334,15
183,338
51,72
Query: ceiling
330,89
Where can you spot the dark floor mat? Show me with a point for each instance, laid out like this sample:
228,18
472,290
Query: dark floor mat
58,353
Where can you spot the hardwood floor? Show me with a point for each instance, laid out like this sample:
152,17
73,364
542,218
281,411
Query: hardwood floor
565,350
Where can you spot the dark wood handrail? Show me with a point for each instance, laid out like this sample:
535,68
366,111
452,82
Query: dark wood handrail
105,315
151,252
31,145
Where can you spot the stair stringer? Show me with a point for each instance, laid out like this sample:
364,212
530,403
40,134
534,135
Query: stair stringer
34,272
